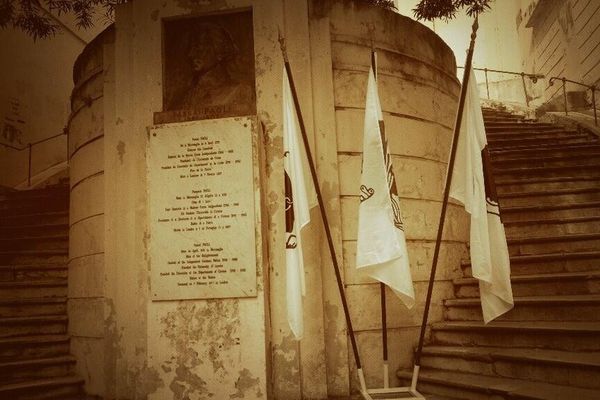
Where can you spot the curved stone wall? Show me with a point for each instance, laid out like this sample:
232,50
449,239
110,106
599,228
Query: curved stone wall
86,216
419,93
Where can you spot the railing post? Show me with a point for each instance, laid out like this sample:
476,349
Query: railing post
565,95
487,85
594,105
29,167
525,88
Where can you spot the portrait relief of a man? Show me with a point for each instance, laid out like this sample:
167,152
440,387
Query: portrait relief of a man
208,67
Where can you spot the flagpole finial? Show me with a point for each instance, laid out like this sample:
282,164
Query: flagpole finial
473,37
282,45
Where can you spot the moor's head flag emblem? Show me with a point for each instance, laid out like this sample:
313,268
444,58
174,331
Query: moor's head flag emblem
381,245
297,213
473,185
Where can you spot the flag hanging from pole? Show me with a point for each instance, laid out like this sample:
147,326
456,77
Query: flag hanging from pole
381,245
297,211
473,186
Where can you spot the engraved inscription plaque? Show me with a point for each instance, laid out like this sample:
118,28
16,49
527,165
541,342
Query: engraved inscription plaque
202,215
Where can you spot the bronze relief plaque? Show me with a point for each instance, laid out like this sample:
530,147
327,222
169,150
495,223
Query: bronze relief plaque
208,67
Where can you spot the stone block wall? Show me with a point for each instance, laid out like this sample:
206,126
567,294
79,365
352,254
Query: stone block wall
86,305
419,93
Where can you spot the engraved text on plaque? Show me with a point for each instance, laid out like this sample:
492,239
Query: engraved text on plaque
201,202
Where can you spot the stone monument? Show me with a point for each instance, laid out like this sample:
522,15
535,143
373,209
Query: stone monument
177,235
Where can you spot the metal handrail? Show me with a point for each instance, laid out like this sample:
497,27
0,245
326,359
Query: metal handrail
534,78
30,145
564,80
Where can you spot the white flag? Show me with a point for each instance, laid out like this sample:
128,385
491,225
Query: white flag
297,213
381,247
473,186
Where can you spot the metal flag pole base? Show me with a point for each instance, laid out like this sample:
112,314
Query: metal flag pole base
390,393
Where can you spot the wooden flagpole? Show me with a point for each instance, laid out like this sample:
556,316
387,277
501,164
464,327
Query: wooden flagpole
459,114
313,173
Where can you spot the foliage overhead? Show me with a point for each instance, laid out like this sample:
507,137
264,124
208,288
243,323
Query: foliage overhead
389,4
35,17
447,9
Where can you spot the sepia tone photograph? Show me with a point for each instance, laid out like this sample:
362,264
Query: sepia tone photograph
299,199
208,65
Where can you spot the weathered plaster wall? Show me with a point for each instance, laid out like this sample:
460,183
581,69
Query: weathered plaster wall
159,350
164,349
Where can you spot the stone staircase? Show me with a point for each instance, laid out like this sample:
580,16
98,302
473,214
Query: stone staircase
548,346
34,346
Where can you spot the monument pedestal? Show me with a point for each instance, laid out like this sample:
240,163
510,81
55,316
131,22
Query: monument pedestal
183,262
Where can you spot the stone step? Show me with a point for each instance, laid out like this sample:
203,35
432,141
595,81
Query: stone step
63,388
553,244
40,325
545,183
493,112
10,273
48,191
32,306
56,217
429,397
549,284
533,142
490,119
480,387
543,193
553,226
41,194
33,289
34,230
34,346
542,160
558,335
573,170
532,134
550,211
24,370
547,151
521,124
10,201
542,148
551,263
42,203
550,366
48,204
21,257
552,197
532,308
47,242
